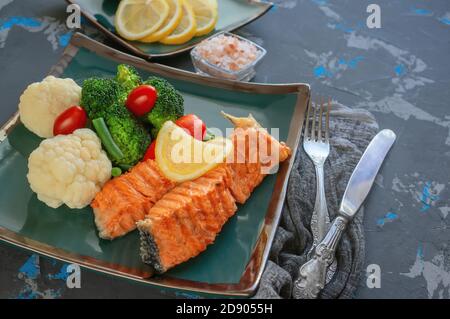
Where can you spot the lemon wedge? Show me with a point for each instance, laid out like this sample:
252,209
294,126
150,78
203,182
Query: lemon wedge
136,19
214,3
206,15
181,157
185,30
171,23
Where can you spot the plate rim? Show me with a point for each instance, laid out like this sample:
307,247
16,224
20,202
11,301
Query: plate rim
266,5
251,276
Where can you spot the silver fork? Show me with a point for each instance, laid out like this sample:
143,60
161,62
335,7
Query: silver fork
316,144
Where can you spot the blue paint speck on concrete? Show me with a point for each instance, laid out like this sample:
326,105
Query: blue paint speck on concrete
29,293
31,270
320,71
64,39
399,69
20,21
445,20
420,251
344,28
320,2
389,217
31,267
352,63
61,275
427,198
422,12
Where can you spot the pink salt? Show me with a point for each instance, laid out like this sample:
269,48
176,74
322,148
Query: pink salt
228,52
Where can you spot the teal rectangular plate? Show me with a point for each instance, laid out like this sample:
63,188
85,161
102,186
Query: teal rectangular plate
233,14
233,265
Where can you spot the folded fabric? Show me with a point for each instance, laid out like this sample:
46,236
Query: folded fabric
351,130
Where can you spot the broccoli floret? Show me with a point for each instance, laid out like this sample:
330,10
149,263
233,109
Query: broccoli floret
98,96
101,98
130,136
128,78
168,106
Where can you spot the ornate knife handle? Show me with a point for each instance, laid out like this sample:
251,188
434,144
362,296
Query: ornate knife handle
312,275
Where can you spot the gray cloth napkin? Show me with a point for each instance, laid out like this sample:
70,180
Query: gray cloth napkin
351,130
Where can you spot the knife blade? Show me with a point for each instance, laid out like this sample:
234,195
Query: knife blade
365,172
312,275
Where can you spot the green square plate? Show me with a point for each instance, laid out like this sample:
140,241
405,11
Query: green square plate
234,263
233,14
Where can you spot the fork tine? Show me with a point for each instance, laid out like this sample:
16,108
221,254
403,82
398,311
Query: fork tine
308,108
319,130
313,128
327,123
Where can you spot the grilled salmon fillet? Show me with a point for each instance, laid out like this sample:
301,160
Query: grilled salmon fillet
126,199
188,218
247,166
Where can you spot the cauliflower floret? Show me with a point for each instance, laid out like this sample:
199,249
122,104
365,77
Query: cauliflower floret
69,169
42,102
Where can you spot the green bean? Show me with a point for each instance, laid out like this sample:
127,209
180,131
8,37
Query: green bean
105,136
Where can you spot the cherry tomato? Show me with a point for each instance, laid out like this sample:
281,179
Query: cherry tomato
70,120
141,100
193,125
150,153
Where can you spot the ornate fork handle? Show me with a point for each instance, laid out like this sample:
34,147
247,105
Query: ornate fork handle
313,273
320,220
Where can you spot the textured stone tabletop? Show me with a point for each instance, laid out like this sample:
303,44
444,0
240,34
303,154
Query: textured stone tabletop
400,72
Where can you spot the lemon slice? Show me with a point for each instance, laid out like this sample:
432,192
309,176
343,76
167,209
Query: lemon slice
136,19
206,15
181,157
171,23
185,30
214,3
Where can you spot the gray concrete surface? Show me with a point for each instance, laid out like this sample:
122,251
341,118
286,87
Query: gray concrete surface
400,72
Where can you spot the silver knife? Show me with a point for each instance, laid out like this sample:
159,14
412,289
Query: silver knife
312,274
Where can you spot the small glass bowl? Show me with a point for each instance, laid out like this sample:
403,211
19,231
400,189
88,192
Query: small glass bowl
203,67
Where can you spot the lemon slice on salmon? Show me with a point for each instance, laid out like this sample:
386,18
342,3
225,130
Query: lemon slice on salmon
206,15
214,3
171,23
185,30
136,19
181,157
